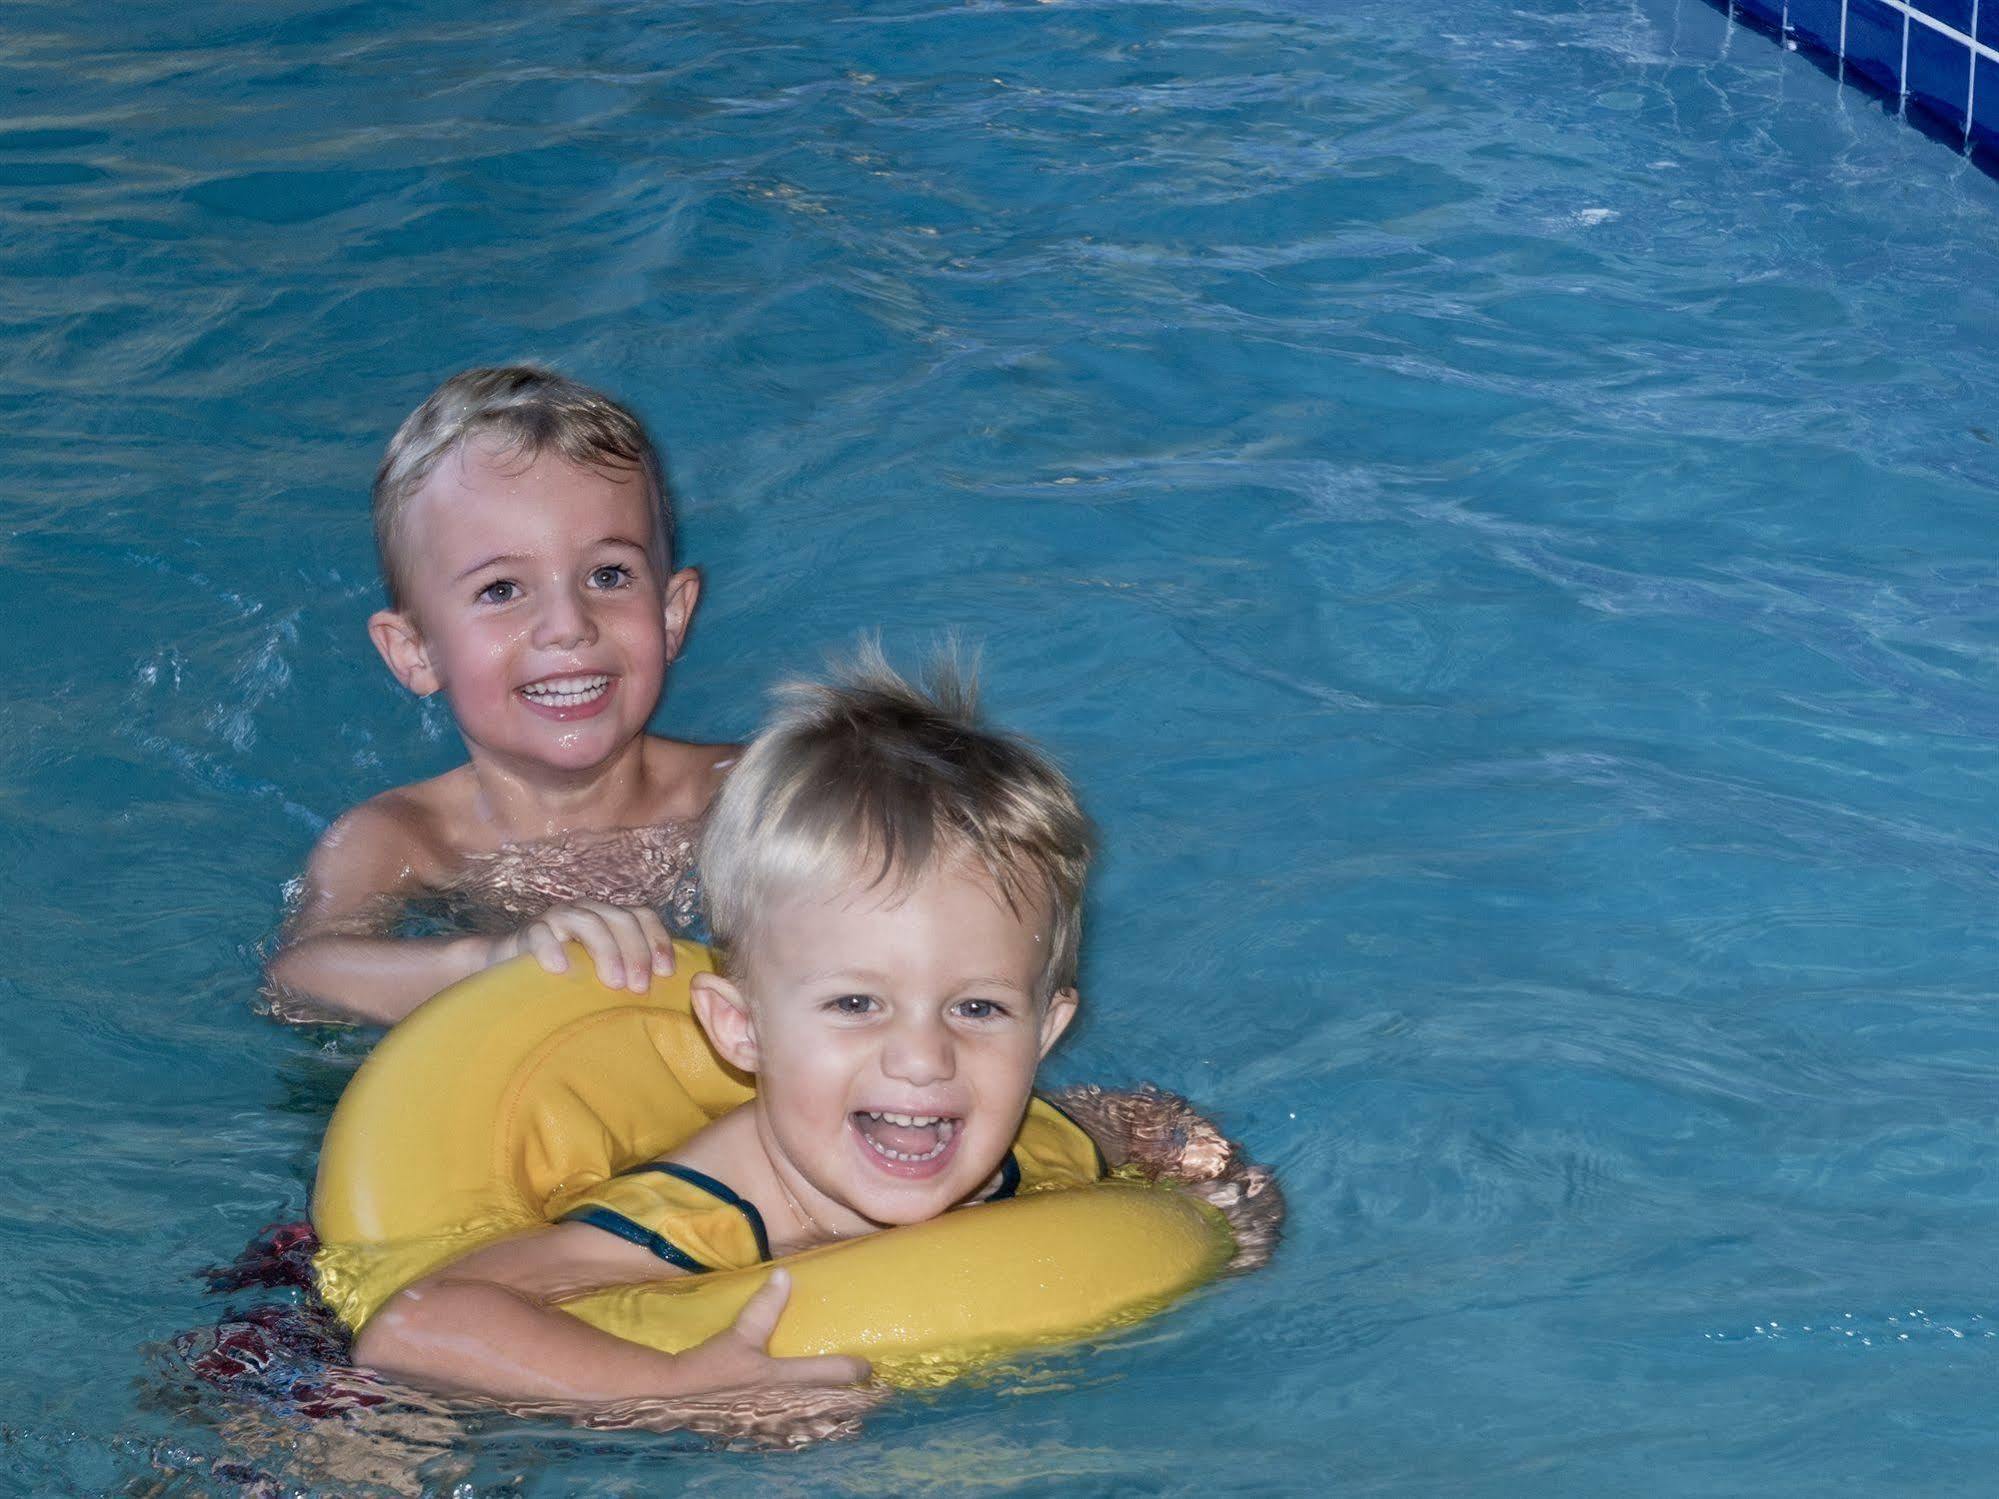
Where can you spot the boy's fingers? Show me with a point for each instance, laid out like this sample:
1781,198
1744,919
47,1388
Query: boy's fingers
660,940
620,930
604,954
635,947
758,1318
546,947
586,926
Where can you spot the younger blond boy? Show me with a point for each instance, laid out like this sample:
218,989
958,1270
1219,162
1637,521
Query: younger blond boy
897,893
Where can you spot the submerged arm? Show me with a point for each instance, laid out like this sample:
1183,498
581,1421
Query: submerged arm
488,1324
338,957
341,959
1164,1138
375,980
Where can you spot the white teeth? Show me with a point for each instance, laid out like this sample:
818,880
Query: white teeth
566,692
946,1128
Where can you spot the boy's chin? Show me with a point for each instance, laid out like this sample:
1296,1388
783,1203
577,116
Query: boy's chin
902,1204
902,1214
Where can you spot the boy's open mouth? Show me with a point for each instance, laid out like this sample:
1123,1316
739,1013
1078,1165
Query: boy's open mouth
568,697
904,1141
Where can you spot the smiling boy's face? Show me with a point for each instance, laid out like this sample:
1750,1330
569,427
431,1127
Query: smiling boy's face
538,604
895,1040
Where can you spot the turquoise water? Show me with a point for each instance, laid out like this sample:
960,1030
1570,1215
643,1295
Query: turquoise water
1495,507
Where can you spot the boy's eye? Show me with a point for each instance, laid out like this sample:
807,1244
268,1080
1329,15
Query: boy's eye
501,591
982,1009
851,1004
611,575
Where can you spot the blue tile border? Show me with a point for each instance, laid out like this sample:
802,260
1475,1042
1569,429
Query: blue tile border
1938,78
1873,46
1820,23
1953,13
1985,110
1935,60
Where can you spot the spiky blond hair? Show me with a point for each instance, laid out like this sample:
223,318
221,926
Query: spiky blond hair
868,777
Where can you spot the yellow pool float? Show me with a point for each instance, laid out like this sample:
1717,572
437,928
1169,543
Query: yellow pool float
514,1094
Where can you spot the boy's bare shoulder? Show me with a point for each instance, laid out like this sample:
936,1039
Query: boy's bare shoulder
722,1147
687,773
396,840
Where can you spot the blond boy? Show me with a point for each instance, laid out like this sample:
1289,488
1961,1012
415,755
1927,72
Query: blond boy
525,535
897,894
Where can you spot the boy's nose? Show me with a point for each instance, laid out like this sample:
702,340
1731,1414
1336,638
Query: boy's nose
919,1055
564,621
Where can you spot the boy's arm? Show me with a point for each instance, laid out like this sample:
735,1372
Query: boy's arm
1163,1136
488,1325
337,958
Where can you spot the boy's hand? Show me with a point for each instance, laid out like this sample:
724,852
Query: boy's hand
1249,1197
738,1358
1167,1140
627,944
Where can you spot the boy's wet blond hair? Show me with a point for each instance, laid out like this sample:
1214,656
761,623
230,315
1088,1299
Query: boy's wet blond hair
867,778
527,411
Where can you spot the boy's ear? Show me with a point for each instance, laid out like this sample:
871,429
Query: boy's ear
724,1013
683,592
1055,1018
401,646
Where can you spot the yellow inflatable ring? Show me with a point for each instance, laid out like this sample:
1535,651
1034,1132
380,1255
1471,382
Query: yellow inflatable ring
514,1093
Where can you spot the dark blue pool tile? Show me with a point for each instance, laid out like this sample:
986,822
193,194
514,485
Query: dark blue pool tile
1874,43
1985,105
1817,23
1768,13
1988,24
1939,78
1951,12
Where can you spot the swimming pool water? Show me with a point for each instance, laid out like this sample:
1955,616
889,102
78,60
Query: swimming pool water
1493,503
